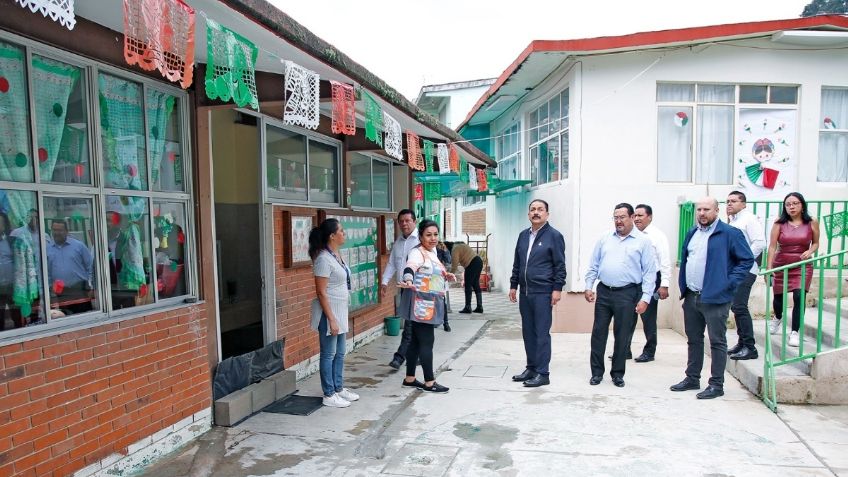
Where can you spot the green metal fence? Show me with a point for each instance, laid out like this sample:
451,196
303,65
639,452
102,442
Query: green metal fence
786,354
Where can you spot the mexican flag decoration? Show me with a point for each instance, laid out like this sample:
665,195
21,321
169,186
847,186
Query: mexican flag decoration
230,66
442,157
482,181
394,137
373,119
681,119
428,155
454,158
61,11
301,95
159,34
413,150
344,108
472,177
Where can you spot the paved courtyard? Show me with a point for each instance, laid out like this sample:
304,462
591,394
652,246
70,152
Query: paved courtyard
488,425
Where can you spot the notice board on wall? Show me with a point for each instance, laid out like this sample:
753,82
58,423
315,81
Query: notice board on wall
360,252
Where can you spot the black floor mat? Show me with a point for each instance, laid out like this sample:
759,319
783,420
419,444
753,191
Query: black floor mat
297,405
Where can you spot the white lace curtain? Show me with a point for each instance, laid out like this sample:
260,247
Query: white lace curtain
833,139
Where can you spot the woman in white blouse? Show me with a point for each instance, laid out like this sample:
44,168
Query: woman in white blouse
329,309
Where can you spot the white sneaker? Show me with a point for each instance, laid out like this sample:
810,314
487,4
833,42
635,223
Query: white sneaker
348,395
793,339
335,401
774,326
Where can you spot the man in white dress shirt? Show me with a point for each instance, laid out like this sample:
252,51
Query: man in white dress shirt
643,218
740,217
407,240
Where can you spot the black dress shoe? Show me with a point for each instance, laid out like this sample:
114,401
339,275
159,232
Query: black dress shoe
686,385
618,381
536,381
524,376
644,358
479,309
629,356
447,327
745,353
735,349
465,311
396,362
711,392
595,380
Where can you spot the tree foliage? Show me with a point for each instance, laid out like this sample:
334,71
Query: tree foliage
820,7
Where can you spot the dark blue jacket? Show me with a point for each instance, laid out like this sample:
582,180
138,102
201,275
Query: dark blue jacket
544,271
729,260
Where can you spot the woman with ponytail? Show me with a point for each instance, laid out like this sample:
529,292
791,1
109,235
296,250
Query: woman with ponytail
330,308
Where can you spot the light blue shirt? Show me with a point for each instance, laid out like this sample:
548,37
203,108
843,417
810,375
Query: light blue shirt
696,261
619,261
70,262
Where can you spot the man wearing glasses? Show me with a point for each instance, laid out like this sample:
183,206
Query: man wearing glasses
624,264
740,217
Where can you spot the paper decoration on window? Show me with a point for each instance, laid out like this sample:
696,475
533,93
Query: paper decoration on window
230,65
464,171
373,119
454,158
61,11
471,173
159,34
681,119
344,108
428,155
829,124
301,96
394,137
413,151
482,181
442,157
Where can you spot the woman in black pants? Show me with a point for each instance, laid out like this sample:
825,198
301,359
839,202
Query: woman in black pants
426,276
465,256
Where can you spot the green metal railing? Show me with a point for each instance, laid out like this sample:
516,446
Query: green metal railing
787,356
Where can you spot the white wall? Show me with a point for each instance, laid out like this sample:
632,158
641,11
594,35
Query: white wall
460,103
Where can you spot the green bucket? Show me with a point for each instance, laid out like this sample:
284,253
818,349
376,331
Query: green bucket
393,325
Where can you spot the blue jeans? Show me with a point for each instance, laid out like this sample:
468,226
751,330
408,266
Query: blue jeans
331,359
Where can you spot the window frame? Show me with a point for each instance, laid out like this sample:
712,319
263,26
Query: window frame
563,130
517,154
839,131
97,193
388,162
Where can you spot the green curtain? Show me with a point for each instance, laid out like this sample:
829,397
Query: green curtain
122,124
159,107
54,81
15,155
130,247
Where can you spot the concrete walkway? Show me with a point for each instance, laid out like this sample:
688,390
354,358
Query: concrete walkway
488,425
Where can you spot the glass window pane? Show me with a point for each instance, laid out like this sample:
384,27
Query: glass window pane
360,180
61,119
678,92
564,110
286,167
833,157
553,111
783,94
552,151
323,172
563,151
534,165
71,265
21,302
15,156
164,137
674,144
128,233
382,185
716,93
533,127
715,145
543,121
752,94
834,109
169,241
122,133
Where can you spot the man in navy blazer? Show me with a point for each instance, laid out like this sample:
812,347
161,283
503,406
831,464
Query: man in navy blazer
716,259
539,269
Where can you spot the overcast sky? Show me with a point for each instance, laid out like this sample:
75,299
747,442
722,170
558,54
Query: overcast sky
410,44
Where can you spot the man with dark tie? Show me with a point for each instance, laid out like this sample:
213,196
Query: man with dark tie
539,270
715,260
624,266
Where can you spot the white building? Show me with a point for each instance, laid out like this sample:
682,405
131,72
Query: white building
661,118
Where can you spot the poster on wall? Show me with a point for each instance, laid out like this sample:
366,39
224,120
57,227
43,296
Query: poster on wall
360,246
390,233
300,228
766,153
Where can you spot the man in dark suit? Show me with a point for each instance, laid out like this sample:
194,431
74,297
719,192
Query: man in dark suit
539,268
716,259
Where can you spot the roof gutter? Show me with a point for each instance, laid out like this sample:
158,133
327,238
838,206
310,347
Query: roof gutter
285,27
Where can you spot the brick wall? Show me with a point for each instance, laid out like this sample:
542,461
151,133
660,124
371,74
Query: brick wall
69,400
295,292
474,222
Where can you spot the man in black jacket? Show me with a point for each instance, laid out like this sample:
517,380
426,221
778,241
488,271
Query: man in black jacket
539,268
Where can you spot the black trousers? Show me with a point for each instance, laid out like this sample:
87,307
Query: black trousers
697,316
739,306
420,349
777,304
472,282
619,303
649,323
406,336
536,319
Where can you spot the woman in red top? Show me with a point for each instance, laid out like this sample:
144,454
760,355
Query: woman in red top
794,237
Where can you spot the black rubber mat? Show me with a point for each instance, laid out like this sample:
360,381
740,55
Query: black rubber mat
296,405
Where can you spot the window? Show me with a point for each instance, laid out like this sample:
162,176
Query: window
470,200
833,135
62,260
371,182
548,127
508,153
695,127
300,167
